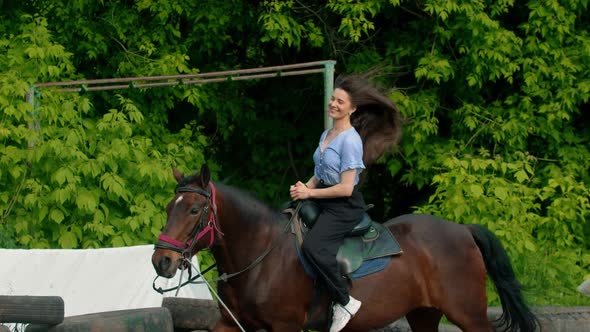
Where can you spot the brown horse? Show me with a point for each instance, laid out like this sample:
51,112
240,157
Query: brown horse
442,270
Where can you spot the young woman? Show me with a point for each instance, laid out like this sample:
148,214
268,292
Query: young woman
365,125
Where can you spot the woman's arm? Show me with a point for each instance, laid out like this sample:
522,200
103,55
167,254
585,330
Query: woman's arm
342,189
312,183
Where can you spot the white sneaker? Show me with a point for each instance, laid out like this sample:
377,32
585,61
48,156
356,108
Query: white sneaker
343,314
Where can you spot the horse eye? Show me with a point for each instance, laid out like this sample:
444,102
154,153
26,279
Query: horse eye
195,210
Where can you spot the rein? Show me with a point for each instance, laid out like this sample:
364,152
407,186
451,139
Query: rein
259,259
191,280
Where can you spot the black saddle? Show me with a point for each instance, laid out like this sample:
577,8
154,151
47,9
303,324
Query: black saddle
310,211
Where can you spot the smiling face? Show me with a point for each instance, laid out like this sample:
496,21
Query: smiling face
340,105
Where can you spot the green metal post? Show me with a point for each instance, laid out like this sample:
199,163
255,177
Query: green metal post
328,87
30,98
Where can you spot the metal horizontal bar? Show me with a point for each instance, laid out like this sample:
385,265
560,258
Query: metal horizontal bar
184,76
195,81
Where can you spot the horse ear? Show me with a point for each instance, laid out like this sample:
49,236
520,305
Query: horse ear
177,174
205,175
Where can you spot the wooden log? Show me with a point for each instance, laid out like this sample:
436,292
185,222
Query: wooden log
192,314
31,309
136,320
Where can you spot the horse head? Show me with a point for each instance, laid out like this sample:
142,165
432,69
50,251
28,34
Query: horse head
191,223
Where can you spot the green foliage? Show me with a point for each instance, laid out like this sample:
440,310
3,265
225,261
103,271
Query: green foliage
281,26
506,150
77,178
356,20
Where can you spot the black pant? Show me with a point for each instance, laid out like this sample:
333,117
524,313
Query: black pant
337,218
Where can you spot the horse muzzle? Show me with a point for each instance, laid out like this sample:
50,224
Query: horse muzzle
166,262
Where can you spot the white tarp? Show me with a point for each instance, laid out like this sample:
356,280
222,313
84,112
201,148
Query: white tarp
90,280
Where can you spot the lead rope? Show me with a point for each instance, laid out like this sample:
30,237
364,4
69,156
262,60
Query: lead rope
218,297
180,282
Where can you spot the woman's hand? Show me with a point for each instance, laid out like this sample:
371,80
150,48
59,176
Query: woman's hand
299,191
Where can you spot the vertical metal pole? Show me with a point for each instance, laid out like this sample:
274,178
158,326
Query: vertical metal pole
34,123
328,87
31,100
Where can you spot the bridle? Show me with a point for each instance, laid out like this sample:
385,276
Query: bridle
199,230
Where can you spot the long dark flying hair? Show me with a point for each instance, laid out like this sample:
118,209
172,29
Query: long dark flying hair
376,119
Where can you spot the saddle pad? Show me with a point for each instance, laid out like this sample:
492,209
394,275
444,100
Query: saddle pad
378,242
358,257
367,267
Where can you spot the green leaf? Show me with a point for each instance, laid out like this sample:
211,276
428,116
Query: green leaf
476,190
68,240
521,176
62,175
501,193
118,241
114,184
86,201
56,215
530,245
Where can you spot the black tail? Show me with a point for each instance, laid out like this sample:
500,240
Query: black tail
516,314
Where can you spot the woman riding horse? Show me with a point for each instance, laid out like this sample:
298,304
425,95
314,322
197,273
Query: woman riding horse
338,164
442,270
264,285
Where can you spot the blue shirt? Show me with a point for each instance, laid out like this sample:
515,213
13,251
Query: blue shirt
343,153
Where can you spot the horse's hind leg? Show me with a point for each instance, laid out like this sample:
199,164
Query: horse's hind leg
478,323
424,319
473,322
468,308
470,316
